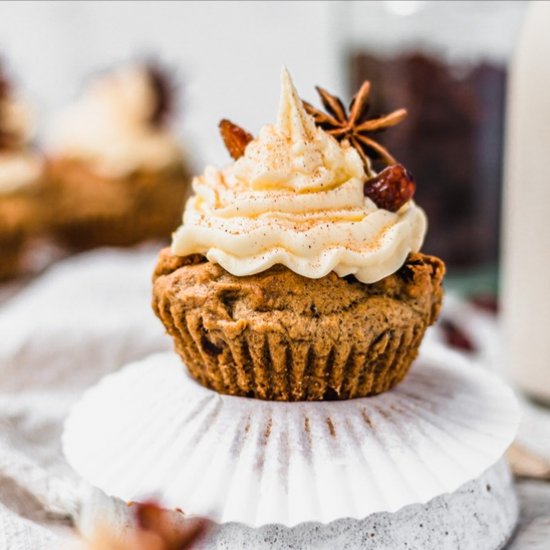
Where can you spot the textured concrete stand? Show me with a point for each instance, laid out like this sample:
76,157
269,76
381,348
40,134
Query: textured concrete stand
480,515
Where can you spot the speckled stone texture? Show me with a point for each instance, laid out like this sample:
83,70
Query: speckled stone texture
481,515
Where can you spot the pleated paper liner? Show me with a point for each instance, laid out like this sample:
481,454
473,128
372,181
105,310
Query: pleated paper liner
152,430
261,362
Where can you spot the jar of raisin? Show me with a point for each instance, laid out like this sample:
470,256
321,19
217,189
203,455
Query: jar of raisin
446,62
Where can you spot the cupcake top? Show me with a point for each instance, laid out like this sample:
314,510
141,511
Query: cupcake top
119,125
19,166
297,197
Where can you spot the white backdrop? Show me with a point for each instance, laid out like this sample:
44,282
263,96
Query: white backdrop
227,55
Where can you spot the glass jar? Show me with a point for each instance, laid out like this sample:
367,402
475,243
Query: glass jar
446,62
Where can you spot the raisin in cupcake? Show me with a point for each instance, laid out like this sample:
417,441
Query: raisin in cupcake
117,172
296,274
21,180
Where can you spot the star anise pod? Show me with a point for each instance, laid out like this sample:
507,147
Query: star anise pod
164,91
355,126
234,138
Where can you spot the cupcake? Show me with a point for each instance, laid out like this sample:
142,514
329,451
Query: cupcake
296,274
117,173
21,170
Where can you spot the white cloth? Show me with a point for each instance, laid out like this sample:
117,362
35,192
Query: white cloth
17,532
83,318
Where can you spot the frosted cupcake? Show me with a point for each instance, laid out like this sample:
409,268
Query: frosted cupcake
117,171
21,170
296,274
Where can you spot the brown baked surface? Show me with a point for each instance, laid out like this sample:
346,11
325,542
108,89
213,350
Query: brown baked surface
21,219
278,335
11,245
89,210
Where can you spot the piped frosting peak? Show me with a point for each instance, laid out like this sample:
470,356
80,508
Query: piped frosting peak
292,120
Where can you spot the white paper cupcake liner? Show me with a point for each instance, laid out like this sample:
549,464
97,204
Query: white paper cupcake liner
150,430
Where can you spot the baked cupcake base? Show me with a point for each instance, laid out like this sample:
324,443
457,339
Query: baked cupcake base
279,336
21,219
11,245
90,211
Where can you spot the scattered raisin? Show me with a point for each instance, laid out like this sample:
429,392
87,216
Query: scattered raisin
455,337
391,188
235,138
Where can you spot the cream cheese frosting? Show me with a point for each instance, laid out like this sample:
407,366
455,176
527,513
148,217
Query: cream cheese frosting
110,129
19,167
296,198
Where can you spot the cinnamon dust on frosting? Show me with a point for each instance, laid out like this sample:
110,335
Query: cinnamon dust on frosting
296,198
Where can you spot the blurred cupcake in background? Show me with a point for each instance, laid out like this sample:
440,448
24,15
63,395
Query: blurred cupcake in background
21,179
117,173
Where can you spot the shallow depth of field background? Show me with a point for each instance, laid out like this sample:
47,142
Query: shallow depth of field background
446,59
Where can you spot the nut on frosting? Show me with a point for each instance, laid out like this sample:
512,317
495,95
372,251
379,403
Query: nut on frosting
296,198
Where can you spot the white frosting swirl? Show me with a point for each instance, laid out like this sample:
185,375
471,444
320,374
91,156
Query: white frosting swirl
109,127
296,198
